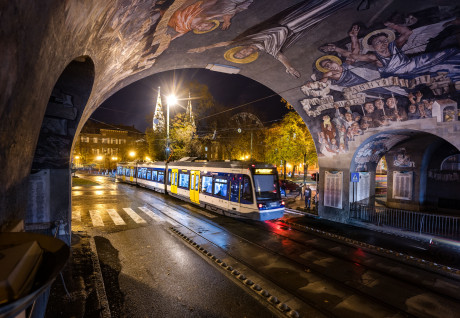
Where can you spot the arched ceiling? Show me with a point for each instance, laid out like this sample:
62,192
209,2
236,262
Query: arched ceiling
319,55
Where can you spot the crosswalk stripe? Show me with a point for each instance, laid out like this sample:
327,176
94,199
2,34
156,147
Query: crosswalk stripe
151,214
116,218
134,215
76,215
96,218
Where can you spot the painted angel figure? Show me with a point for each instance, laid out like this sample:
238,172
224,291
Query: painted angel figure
205,15
385,51
276,35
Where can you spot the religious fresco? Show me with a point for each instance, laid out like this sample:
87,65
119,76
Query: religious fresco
402,160
406,69
274,36
371,151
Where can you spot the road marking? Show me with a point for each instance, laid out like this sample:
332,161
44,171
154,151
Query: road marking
116,218
134,215
151,214
96,218
76,215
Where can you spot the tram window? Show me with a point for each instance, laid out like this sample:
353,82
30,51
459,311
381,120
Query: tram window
175,178
161,176
184,180
144,173
206,184
139,173
220,187
246,194
149,174
197,182
154,175
169,177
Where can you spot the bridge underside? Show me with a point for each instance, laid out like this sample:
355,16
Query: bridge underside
369,78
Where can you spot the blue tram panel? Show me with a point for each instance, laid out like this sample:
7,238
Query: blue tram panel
235,189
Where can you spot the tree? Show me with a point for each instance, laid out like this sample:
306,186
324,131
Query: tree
156,144
183,138
289,141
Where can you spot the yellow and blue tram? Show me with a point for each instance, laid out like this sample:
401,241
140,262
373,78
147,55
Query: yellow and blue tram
232,188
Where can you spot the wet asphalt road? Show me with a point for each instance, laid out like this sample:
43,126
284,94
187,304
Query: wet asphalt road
149,271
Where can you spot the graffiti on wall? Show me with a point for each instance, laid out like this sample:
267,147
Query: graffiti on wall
406,69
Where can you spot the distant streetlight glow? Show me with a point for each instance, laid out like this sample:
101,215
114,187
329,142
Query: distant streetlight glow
77,157
132,153
114,158
148,158
99,158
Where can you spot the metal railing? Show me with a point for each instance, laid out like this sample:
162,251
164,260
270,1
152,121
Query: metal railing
439,225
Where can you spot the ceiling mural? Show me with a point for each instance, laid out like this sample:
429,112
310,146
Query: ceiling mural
389,63
371,151
406,69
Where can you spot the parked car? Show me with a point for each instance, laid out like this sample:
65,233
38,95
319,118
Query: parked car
290,185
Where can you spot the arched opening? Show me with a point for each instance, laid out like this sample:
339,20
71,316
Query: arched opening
412,175
49,182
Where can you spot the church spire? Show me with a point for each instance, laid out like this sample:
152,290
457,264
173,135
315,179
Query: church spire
158,116
189,112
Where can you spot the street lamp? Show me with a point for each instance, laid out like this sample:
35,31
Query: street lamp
171,101
132,154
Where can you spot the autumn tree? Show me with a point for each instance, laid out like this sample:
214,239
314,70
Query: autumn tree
183,139
290,141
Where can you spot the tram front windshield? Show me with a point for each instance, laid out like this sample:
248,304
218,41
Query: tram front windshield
266,187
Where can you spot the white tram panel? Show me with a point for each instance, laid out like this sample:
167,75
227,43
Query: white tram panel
151,175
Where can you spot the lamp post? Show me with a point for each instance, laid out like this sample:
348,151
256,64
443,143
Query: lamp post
171,101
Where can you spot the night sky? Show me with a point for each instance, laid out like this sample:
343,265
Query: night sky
133,104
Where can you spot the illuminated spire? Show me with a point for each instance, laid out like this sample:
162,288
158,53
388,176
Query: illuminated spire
158,117
189,112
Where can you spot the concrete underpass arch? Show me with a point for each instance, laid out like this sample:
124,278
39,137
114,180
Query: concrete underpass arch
49,182
130,41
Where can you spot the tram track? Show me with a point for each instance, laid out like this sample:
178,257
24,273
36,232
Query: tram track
356,291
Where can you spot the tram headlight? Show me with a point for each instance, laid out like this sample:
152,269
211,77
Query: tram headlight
282,203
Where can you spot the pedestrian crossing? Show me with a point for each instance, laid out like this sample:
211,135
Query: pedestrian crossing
110,217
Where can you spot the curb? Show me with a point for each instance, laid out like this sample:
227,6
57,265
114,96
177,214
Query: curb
255,289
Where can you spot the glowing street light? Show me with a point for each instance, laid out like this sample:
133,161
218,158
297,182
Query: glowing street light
171,101
132,154
99,158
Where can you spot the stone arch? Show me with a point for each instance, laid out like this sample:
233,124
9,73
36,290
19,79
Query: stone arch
50,172
412,158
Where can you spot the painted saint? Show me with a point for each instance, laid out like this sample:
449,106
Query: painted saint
277,34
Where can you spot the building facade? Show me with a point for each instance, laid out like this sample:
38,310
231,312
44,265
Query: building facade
100,146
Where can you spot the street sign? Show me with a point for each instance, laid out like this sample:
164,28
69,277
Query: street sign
355,177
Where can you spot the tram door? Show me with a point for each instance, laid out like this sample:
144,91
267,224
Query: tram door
174,176
195,186
235,191
131,174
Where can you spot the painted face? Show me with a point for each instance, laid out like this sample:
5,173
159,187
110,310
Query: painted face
369,107
380,43
244,52
379,104
391,102
330,65
412,108
348,117
204,26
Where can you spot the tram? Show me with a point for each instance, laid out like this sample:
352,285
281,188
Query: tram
232,188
